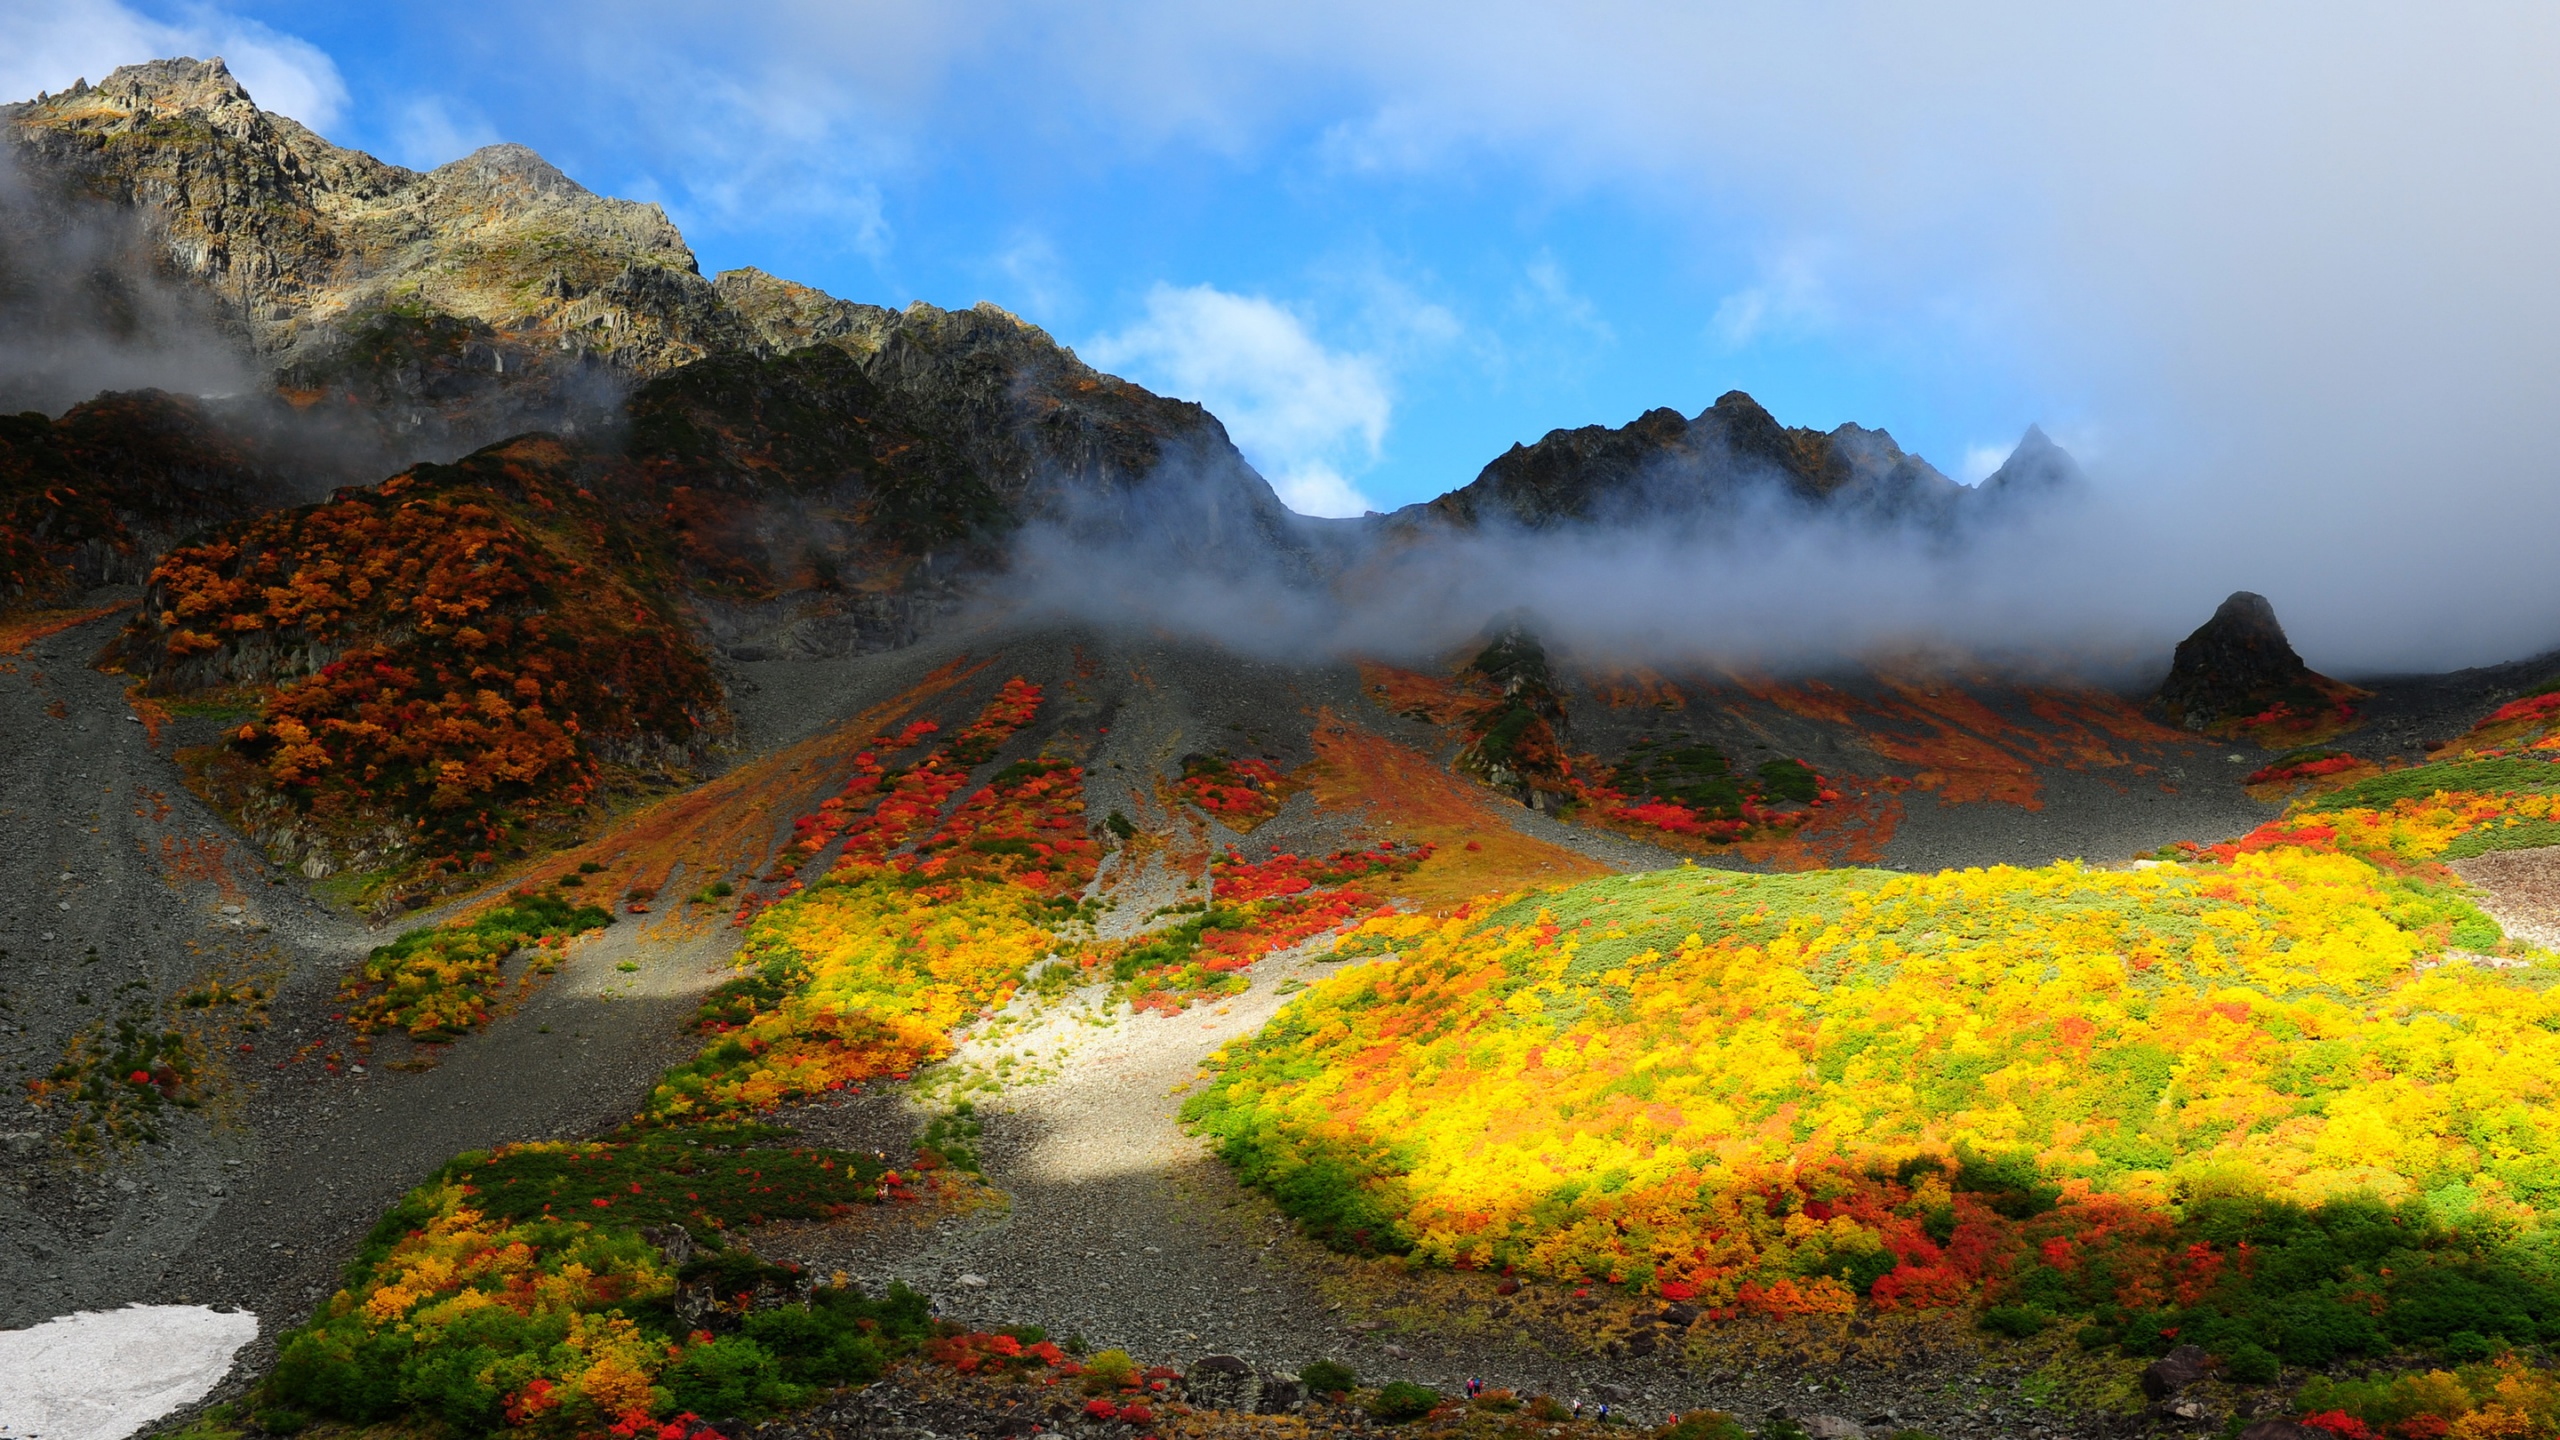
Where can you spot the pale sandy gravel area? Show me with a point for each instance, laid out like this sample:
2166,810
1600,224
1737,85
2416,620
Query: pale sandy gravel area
2521,891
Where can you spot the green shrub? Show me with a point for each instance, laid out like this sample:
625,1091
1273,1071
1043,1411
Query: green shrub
2248,1363
1108,1371
732,1375
1329,1377
1789,780
1402,1400
2015,1321
2382,791
2469,1345
2010,1184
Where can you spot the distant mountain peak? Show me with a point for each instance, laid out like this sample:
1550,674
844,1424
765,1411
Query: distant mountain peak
1664,465
2036,466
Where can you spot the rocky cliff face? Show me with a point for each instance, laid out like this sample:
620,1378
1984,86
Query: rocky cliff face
1055,439
307,245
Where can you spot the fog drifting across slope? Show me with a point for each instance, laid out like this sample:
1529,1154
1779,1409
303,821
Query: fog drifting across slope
2101,583
85,308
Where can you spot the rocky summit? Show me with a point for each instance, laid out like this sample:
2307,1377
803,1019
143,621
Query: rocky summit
2238,669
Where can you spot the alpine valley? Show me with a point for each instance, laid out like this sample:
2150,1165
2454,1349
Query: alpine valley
611,851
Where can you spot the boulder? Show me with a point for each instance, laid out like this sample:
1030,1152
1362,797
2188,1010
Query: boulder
1678,1314
1833,1427
1280,1393
673,1241
1220,1382
2175,1371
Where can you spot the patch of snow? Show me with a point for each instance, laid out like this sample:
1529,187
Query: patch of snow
103,1375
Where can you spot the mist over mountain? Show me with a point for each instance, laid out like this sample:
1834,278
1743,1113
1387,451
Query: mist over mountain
361,317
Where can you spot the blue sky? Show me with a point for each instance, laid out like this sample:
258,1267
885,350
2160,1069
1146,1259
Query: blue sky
1375,314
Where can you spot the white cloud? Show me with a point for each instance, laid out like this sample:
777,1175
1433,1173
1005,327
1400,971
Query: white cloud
1317,489
1981,460
1035,275
1790,300
55,42
427,133
1302,413
1551,294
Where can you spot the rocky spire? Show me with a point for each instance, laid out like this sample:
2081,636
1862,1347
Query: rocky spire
2235,665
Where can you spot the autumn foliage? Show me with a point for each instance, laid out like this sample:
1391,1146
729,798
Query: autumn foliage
462,648
1804,1093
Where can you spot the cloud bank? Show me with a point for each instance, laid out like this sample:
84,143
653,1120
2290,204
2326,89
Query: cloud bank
1303,414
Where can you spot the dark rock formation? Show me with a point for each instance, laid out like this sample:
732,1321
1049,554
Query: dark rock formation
2179,1368
2236,665
95,497
1221,1382
1053,438
1662,465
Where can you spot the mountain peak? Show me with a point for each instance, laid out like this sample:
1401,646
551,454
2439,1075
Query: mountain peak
510,169
2038,466
177,84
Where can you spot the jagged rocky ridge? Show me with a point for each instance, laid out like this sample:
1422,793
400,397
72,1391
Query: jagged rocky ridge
1663,467
494,295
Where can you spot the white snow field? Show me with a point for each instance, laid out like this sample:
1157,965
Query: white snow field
102,1375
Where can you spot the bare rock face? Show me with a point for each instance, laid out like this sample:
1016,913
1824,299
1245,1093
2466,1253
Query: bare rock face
304,241
2236,665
